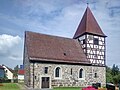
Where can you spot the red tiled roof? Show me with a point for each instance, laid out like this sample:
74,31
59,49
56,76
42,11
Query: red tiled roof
1,67
21,72
88,24
43,47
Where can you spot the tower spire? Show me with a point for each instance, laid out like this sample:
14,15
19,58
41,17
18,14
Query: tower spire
88,24
87,4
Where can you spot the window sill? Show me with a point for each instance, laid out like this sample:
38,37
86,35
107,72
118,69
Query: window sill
81,78
57,78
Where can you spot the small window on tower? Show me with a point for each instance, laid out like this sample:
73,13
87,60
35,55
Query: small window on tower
95,55
96,41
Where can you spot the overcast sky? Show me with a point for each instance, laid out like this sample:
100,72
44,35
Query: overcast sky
54,17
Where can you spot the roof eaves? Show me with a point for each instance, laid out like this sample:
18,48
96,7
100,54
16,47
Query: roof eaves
53,60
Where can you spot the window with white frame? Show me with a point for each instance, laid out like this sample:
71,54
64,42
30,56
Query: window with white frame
81,74
57,72
95,75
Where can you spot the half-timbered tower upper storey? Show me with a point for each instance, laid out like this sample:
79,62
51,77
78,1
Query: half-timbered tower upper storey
91,38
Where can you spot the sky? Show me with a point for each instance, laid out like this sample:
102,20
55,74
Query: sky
54,17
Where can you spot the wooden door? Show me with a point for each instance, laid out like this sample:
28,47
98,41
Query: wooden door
45,82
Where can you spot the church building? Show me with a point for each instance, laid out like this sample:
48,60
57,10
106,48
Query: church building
53,61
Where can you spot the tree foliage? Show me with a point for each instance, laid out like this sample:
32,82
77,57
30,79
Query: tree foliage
115,70
113,74
16,68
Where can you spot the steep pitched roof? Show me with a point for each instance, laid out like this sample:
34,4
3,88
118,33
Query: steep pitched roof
43,47
8,68
88,24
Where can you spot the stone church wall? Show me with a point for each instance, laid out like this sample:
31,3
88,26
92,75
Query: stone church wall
26,68
67,79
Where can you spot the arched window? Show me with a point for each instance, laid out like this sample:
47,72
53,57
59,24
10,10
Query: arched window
57,72
81,73
95,75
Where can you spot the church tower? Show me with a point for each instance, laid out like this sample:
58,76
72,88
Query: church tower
92,39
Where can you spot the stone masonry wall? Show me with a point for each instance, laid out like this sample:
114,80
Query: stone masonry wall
67,79
26,68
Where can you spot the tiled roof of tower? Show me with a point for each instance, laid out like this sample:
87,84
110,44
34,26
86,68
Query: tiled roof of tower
43,47
88,24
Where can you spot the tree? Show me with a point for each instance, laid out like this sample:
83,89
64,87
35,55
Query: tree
113,74
16,68
115,70
116,79
109,77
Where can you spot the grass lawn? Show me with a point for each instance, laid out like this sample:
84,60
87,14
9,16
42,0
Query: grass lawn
14,86
9,86
67,88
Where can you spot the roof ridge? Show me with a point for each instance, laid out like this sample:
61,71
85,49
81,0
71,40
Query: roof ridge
48,35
